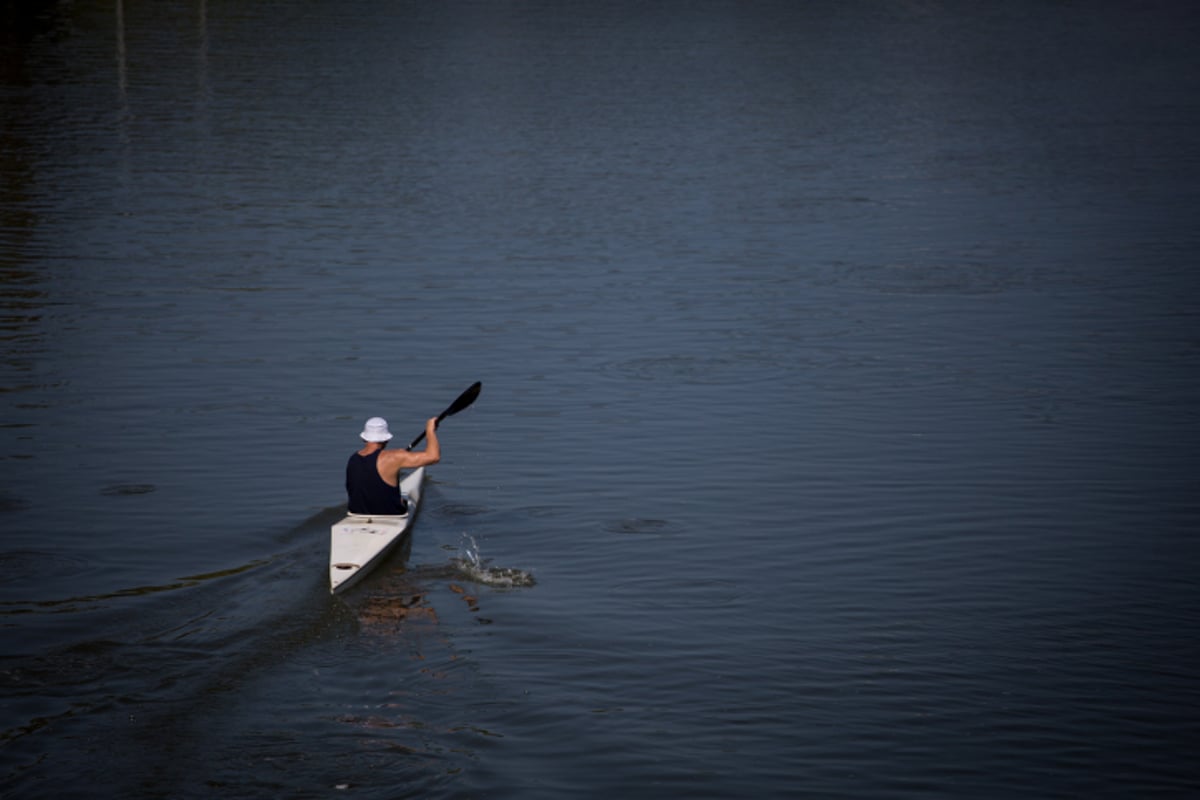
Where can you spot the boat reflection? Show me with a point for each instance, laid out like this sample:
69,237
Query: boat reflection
401,596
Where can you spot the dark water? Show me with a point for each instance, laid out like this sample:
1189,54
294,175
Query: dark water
839,393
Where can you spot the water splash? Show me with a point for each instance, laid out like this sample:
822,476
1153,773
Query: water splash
474,567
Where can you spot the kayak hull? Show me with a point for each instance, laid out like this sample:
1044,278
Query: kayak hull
359,542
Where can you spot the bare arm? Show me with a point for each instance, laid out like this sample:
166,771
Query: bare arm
392,461
433,449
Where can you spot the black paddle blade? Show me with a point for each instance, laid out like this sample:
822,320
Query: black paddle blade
465,399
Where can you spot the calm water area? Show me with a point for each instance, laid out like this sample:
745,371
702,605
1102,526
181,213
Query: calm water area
840,397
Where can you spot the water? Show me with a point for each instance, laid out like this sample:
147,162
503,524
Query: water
838,431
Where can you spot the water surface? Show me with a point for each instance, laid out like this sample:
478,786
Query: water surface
838,395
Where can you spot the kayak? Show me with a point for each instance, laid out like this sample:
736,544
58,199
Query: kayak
359,542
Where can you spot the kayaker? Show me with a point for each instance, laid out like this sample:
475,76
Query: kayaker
373,473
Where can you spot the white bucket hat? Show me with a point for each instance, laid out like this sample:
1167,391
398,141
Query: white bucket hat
376,430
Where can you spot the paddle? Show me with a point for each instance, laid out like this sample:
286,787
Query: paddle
465,399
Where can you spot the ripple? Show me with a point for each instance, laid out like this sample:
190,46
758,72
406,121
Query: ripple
697,370
682,592
639,526
9,502
965,277
461,510
17,565
21,560
542,512
127,489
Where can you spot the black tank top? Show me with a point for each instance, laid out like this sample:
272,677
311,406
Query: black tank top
366,492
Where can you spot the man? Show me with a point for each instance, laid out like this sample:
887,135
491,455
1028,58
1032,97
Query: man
373,473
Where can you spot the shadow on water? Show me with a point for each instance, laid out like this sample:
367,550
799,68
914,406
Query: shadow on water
68,605
143,660
163,667
19,561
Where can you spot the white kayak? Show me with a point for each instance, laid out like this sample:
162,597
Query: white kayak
360,541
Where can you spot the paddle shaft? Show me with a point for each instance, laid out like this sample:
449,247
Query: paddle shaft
465,399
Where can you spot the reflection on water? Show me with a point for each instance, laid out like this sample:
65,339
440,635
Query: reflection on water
383,613
401,595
